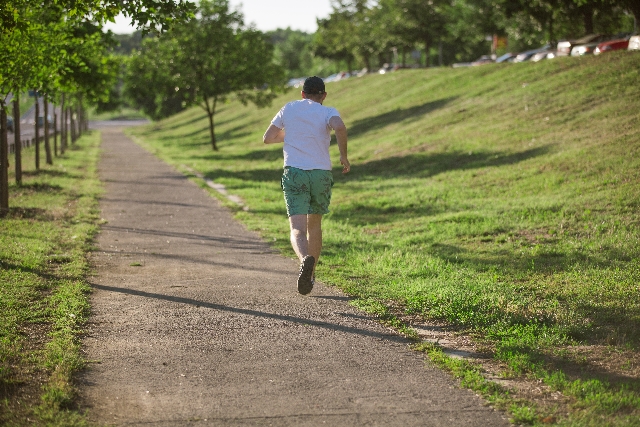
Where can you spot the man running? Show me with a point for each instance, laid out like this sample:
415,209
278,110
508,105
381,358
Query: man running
305,128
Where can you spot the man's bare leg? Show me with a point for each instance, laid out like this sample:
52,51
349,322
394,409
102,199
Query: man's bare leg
299,241
314,236
306,235
306,239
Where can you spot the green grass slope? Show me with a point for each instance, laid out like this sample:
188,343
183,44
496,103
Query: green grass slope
502,199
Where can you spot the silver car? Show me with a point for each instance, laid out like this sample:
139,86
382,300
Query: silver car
584,49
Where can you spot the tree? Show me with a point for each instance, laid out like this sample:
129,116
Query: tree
203,61
40,49
293,51
146,14
218,56
150,78
423,22
389,21
633,6
334,39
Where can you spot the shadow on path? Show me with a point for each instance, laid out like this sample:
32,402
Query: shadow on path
299,320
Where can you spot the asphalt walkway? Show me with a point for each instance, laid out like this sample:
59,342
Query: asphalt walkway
197,321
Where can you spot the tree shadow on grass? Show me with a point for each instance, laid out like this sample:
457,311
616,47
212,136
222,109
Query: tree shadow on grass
363,126
163,127
361,214
425,165
422,165
268,155
47,172
40,272
28,213
204,138
40,187
254,175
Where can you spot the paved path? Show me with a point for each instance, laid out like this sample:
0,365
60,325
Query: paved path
196,320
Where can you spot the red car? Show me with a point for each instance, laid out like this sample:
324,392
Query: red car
611,45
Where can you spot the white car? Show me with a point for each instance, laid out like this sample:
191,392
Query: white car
634,43
564,47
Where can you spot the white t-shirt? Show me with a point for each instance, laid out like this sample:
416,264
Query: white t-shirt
307,134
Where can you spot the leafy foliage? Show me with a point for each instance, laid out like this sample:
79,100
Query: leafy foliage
359,31
202,62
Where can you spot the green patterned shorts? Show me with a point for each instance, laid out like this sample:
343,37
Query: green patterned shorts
306,192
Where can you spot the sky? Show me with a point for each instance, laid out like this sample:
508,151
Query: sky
267,15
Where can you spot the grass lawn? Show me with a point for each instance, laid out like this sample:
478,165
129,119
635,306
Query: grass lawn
501,200
43,292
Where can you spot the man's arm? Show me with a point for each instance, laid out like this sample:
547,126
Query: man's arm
273,135
341,135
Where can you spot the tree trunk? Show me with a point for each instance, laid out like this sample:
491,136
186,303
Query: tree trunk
587,16
37,132
634,7
211,111
426,52
4,163
72,126
55,132
63,124
79,116
17,141
47,145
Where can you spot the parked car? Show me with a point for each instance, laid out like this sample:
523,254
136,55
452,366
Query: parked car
507,57
616,44
584,49
337,77
41,121
564,47
296,82
527,55
461,64
634,43
387,68
484,59
545,54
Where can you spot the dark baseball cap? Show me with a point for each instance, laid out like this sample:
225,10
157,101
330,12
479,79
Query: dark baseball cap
313,85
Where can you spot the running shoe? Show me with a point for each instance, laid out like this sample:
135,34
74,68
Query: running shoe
305,279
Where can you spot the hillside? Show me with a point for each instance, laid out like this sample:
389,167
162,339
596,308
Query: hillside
503,200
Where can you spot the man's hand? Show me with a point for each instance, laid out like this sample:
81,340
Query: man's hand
346,166
341,136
